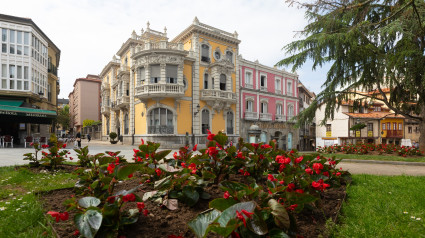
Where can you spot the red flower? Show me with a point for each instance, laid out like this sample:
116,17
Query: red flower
246,213
192,167
45,146
64,216
226,195
71,158
212,151
130,175
317,167
235,235
145,212
309,171
210,135
326,173
140,206
241,217
59,216
292,207
281,182
175,155
299,190
143,142
338,174
265,146
195,147
291,187
64,146
129,198
111,199
286,160
76,233
31,144
111,168
299,159
174,236
158,172
271,178
240,155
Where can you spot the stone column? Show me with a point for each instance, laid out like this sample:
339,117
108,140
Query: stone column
195,81
131,97
163,74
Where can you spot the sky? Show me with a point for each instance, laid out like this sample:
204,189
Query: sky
90,32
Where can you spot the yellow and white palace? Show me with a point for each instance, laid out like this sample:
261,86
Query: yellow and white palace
172,92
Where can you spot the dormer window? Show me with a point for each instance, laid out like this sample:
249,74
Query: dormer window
205,51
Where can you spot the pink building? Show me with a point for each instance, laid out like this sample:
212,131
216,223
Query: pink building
268,101
84,101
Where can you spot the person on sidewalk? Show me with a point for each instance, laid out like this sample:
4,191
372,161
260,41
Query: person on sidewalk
88,137
78,139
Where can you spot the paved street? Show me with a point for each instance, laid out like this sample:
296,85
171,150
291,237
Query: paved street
14,156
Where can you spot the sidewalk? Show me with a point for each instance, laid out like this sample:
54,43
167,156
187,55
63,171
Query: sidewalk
14,156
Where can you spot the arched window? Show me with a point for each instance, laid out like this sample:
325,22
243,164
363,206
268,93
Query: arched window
205,51
205,121
126,124
290,111
160,121
205,81
229,122
223,82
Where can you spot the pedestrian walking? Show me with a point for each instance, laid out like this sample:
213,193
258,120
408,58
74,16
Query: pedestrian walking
78,139
88,137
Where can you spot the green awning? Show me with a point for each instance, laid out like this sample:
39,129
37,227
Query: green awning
12,108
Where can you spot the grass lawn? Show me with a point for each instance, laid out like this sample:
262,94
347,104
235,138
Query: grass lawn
18,202
385,157
383,206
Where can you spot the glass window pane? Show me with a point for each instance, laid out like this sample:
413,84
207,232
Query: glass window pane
12,36
19,72
12,49
26,38
26,85
26,51
19,85
12,71
19,37
4,48
4,34
19,50
4,70
4,83
12,84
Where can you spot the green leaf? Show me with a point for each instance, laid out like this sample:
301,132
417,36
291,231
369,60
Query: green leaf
224,231
230,213
221,138
106,160
207,175
162,154
280,214
88,223
87,202
162,183
125,170
257,225
148,195
277,233
233,186
231,150
205,195
222,204
200,224
190,195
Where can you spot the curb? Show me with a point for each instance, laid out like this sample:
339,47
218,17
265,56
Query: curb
383,162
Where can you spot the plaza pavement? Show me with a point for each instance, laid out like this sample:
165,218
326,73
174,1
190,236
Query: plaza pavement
14,156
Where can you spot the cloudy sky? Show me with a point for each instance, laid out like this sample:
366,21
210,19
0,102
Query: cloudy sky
90,32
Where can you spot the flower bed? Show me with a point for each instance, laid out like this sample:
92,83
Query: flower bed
253,190
371,149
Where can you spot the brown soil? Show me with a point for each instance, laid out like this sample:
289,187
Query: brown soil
66,168
162,222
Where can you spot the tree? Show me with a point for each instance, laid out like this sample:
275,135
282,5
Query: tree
88,122
371,45
63,118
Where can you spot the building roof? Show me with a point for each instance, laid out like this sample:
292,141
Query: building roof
90,78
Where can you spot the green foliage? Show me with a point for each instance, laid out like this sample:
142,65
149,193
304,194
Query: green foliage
371,45
64,118
113,136
88,122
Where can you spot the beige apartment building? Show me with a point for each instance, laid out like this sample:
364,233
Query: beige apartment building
84,101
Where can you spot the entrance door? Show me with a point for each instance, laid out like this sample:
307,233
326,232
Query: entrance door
289,141
263,137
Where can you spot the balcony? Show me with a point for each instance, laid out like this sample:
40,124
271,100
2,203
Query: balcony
251,116
394,134
123,101
105,110
205,59
218,95
52,69
265,116
114,106
105,87
263,88
279,117
123,70
159,90
161,130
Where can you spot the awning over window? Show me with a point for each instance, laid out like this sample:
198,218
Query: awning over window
12,110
